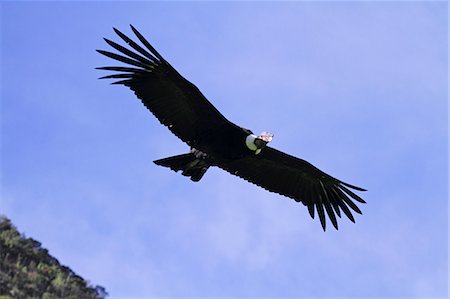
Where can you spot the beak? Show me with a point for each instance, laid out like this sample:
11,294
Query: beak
267,137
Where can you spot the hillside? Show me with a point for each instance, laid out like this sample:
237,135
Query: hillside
27,270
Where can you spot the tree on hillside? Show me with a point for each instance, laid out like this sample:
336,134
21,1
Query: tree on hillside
27,270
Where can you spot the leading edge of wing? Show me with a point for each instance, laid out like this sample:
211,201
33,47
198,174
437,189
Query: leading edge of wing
298,179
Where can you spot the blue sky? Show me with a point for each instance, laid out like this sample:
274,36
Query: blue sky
359,89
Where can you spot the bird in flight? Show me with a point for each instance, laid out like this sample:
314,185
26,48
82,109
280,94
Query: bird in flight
215,141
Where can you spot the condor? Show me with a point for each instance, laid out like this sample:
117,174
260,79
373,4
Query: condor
215,141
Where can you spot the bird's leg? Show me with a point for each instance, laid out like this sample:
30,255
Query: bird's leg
198,154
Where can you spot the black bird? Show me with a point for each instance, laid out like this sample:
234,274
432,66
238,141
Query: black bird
215,141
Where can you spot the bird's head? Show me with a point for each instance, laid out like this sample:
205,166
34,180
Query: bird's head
262,140
256,143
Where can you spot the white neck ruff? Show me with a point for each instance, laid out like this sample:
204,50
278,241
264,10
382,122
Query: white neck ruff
250,142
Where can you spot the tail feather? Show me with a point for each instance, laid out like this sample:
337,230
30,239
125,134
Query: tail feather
189,164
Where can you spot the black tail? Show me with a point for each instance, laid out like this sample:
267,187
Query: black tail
189,164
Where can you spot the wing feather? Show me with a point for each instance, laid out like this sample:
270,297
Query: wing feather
343,206
349,203
311,211
334,202
122,59
320,212
327,204
117,76
121,69
129,53
353,195
146,43
135,46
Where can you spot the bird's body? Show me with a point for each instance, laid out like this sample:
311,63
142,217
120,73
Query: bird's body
216,141
224,143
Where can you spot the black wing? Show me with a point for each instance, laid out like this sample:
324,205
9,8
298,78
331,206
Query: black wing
295,178
176,102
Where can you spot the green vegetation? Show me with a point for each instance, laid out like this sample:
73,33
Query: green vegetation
27,270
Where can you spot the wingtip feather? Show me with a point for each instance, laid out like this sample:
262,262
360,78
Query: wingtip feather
352,195
123,82
146,43
353,187
321,214
311,210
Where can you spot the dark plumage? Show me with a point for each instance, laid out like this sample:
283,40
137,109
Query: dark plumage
215,141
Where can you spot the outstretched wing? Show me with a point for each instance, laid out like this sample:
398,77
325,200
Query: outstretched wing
176,102
295,178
